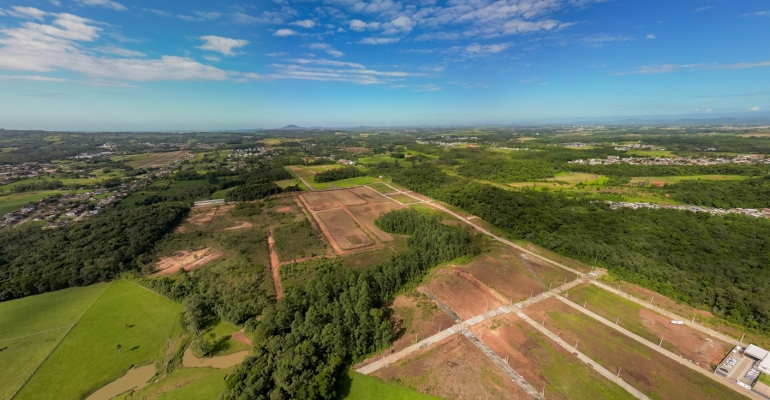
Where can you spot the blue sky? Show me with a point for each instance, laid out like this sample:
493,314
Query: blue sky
144,65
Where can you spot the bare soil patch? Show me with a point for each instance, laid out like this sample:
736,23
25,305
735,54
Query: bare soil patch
464,295
454,369
346,197
285,210
186,260
644,368
503,271
275,265
200,216
369,195
388,206
319,201
357,150
242,225
343,229
366,214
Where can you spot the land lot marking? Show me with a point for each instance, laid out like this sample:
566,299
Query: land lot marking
655,347
582,357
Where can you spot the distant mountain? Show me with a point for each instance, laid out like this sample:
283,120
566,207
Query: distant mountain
292,128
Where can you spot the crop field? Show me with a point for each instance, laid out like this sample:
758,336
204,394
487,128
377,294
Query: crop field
647,370
679,339
452,369
88,358
376,159
663,180
544,363
286,183
344,230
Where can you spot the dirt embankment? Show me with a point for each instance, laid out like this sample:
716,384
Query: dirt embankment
187,260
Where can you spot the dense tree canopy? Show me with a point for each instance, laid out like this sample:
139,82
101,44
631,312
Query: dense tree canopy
338,173
750,193
33,260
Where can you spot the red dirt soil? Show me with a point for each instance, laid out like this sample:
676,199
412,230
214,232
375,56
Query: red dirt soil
318,201
239,336
275,265
465,296
346,197
453,369
187,260
369,195
503,271
343,229
366,214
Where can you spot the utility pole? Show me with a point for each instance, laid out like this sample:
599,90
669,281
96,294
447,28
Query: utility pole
651,298
543,322
531,293
661,342
618,375
617,319
439,328
576,343
550,287
693,319
744,335
584,303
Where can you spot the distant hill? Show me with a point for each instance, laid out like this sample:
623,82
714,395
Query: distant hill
292,128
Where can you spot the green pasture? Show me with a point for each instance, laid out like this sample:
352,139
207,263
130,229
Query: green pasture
30,328
382,188
377,159
226,330
287,182
88,358
14,201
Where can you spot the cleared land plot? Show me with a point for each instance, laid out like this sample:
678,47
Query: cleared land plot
346,197
464,294
416,316
344,230
504,271
574,264
454,369
30,328
151,159
544,363
319,201
389,206
186,260
647,370
663,180
404,199
382,188
679,339
87,359
551,275
366,214
369,195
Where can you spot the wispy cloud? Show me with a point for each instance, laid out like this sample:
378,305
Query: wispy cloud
27,12
305,23
319,69
601,39
200,16
758,14
103,3
699,9
755,108
378,40
119,51
651,36
668,68
327,48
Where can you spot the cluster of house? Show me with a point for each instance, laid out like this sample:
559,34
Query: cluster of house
637,146
93,155
509,148
22,171
743,159
246,153
751,212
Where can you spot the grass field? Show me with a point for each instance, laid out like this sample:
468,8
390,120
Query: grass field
13,202
404,199
226,330
296,240
87,358
355,386
382,188
183,384
377,159
30,328
662,180
573,178
357,181
287,182
146,160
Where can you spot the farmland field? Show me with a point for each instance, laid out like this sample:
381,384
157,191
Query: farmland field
87,358
370,195
649,371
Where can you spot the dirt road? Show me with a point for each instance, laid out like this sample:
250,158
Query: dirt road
275,265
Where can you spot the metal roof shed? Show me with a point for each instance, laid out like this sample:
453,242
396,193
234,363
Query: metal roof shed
756,352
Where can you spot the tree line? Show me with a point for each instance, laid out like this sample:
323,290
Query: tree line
338,174
749,193
335,317
709,262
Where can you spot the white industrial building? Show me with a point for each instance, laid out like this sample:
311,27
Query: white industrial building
761,355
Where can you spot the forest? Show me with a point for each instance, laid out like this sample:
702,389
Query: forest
750,193
336,317
96,249
712,263
337,174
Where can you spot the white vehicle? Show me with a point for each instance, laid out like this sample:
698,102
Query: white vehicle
677,322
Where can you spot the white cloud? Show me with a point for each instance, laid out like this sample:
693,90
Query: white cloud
757,14
27,12
478,50
378,40
427,88
212,58
650,36
103,3
327,48
284,32
57,3
709,111
200,16
699,9
602,39
755,108
119,51
61,46
277,54
360,26
667,68
319,69
36,78
305,23
222,44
